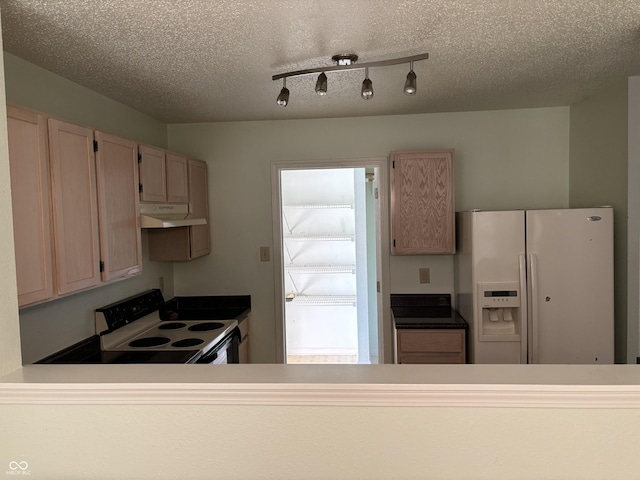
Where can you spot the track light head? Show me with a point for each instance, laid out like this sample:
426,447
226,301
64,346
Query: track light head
367,86
410,86
283,98
367,89
321,85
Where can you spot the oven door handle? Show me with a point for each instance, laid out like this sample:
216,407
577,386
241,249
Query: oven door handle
222,346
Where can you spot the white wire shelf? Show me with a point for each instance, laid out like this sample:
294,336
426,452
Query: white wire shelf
320,269
321,206
320,238
322,300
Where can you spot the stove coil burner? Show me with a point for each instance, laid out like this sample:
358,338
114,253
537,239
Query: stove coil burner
187,342
205,327
171,326
149,342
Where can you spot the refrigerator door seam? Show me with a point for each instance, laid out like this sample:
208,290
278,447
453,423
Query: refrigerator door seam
524,317
533,302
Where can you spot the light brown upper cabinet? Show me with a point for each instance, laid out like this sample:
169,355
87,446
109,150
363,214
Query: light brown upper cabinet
163,176
199,208
30,195
177,178
422,202
117,176
186,243
75,206
153,175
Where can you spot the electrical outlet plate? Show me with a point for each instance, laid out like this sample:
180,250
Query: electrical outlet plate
424,275
265,254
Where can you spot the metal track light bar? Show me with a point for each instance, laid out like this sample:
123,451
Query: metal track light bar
353,66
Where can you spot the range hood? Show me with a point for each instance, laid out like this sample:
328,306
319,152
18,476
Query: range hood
166,215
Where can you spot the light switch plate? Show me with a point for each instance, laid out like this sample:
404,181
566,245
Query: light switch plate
424,275
265,254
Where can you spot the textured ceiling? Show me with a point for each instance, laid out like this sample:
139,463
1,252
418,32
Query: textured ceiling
212,60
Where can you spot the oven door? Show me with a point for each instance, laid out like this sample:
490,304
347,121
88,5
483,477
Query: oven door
222,352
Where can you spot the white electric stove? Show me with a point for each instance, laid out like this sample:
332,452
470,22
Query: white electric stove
134,324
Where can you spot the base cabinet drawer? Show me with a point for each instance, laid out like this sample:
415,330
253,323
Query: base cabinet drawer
431,346
433,359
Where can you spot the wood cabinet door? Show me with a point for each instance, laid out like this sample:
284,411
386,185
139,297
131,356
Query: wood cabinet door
243,350
30,196
199,207
75,206
153,174
118,206
422,202
177,178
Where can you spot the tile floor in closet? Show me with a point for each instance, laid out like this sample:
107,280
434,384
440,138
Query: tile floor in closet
313,359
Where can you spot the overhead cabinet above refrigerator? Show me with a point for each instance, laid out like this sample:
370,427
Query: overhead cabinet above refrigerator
536,286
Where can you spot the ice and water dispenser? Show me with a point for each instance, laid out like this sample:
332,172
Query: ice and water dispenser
501,314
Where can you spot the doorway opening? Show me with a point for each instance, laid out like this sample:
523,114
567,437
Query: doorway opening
327,248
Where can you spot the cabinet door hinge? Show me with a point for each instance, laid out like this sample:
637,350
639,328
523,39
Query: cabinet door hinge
95,145
378,287
393,164
375,193
394,242
101,266
139,158
140,187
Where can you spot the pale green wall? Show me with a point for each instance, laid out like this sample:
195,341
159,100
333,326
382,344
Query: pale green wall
598,170
504,160
9,324
308,443
49,327
34,87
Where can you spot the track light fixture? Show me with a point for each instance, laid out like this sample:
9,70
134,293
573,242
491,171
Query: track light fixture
348,62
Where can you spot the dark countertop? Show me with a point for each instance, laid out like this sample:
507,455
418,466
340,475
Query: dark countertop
428,311
88,352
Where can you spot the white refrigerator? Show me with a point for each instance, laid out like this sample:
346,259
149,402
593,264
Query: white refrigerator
536,286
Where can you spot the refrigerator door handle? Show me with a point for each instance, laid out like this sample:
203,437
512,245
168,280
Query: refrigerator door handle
533,303
524,317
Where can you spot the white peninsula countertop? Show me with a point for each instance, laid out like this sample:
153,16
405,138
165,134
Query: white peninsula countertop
607,386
